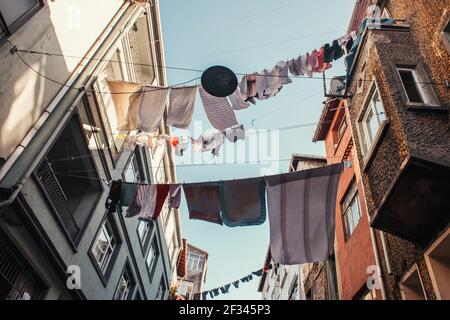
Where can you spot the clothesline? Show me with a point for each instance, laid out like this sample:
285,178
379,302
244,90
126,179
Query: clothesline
225,288
178,68
291,199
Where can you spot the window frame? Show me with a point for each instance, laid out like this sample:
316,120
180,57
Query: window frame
151,269
201,259
368,147
347,209
162,284
73,241
423,96
106,274
7,31
126,270
145,239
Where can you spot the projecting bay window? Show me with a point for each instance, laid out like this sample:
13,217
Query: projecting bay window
186,288
352,210
371,120
14,14
68,177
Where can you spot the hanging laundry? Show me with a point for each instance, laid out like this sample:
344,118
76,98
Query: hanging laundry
235,133
302,214
181,106
204,295
248,86
211,294
245,279
211,143
322,65
218,111
144,200
293,67
314,60
284,72
306,65
216,292
115,192
273,82
261,84
243,202
236,284
203,201
337,50
123,94
162,190
328,55
349,59
182,146
174,196
148,201
142,108
127,193
300,66
237,100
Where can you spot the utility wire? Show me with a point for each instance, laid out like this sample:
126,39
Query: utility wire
15,50
95,91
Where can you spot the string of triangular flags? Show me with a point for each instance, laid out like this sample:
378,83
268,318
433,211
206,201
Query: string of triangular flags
302,200
212,293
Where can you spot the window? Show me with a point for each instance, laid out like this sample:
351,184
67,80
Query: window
371,119
151,258
132,170
351,209
17,279
69,178
105,245
293,292
94,131
186,287
410,85
195,261
13,14
143,230
125,285
161,290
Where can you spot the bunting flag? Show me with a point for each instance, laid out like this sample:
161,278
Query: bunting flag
225,289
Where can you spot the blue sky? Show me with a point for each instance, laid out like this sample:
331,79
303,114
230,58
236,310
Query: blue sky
248,36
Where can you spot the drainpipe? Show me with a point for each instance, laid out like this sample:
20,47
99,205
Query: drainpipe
68,95
372,231
386,255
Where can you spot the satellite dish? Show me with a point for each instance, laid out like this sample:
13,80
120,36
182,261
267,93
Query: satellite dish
337,86
219,81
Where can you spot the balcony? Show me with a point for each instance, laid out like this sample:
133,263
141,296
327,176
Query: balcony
417,205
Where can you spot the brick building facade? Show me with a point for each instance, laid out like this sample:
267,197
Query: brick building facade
398,111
